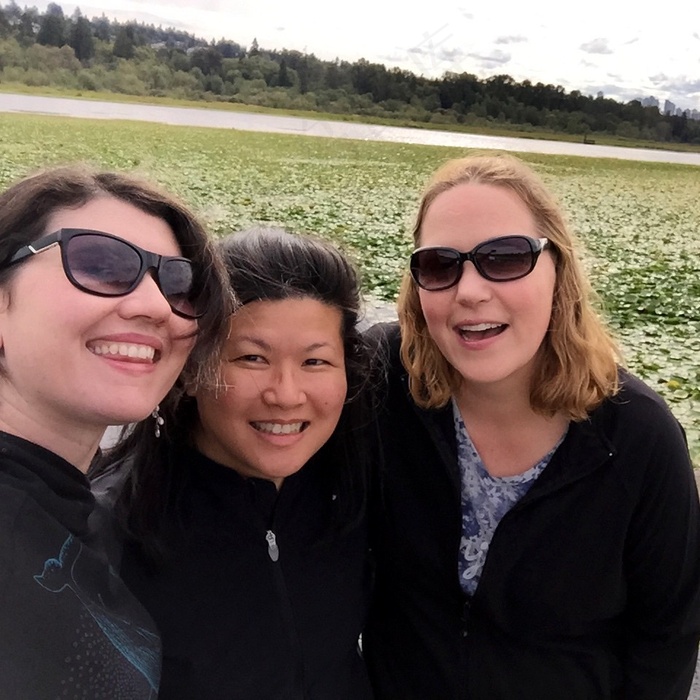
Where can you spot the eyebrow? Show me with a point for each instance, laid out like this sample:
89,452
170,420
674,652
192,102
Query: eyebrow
266,346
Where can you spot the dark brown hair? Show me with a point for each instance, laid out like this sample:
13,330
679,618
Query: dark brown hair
26,207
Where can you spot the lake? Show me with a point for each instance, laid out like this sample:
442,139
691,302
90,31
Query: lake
247,121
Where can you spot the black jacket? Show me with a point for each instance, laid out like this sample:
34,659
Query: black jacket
590,589
258,597
68,626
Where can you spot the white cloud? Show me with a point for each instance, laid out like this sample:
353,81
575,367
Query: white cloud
600,46
510,40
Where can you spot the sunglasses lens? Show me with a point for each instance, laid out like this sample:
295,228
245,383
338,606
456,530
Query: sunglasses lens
435,268
102,265
504,259
177,281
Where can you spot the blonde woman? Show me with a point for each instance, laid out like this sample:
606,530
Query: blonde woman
538,529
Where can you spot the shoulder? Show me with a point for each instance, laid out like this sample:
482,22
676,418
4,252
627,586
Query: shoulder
647,440
638,408
12,502
383,334
384,341
22,523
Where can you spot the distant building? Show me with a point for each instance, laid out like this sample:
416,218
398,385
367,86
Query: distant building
650,102
669,107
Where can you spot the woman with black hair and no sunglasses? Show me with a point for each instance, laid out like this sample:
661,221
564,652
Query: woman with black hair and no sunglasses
106,286
538,535
244,523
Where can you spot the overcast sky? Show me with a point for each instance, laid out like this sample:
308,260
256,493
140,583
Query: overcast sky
625,49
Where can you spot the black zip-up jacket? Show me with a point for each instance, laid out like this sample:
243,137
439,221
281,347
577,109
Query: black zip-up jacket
69,628
258,598
590,590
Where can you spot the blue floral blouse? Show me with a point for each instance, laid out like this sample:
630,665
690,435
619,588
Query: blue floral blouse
485,500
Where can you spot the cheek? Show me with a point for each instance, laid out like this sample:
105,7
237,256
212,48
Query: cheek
432,306
235,397
219,414
333,399
185,334
436,315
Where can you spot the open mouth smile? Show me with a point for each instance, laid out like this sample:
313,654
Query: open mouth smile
280,428
125,350
481,331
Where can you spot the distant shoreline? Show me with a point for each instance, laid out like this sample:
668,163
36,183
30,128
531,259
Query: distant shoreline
271,123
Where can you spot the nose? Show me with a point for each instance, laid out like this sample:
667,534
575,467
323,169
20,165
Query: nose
146,300
472,288
284,389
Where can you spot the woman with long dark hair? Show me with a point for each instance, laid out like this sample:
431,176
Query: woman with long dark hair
244,524
107,284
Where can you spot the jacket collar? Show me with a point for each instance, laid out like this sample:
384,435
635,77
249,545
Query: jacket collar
584,449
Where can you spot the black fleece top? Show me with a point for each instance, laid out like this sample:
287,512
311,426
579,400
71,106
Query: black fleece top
68,625
258,597
591,586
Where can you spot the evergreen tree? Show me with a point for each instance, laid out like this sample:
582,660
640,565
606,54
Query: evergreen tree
26,33
13,13
283,79
4,24
81,39
124,43
102,28
52,27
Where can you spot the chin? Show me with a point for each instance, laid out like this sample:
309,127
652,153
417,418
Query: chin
283,472
127,415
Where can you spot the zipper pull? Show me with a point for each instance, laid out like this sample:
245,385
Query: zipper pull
272,549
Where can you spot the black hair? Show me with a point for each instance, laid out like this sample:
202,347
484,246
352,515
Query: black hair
263,264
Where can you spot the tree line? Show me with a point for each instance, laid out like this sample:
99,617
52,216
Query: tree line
133,58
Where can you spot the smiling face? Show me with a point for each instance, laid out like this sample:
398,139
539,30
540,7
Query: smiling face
490,332
73,361
285,386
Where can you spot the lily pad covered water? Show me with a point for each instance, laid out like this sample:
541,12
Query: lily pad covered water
639,223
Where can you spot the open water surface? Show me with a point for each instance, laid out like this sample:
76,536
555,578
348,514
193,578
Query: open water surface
247,121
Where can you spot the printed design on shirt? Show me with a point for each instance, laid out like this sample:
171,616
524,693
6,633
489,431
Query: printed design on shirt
137,645
485,500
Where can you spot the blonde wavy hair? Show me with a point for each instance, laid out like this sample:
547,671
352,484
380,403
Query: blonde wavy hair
577,366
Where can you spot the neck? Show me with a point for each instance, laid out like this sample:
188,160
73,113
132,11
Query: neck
496,403
76,444
508,434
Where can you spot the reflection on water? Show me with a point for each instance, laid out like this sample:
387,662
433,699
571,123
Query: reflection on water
185,116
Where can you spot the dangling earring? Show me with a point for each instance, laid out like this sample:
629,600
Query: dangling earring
158,419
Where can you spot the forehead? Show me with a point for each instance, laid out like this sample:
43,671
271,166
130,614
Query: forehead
115,216
287,324
476,211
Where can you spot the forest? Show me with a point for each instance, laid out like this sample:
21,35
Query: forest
103,55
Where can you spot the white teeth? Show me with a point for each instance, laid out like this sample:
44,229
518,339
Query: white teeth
480,327
278,428
142,352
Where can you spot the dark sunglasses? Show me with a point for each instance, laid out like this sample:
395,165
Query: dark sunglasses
501,259
108,266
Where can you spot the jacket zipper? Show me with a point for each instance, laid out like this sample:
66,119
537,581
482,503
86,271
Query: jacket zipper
272,549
